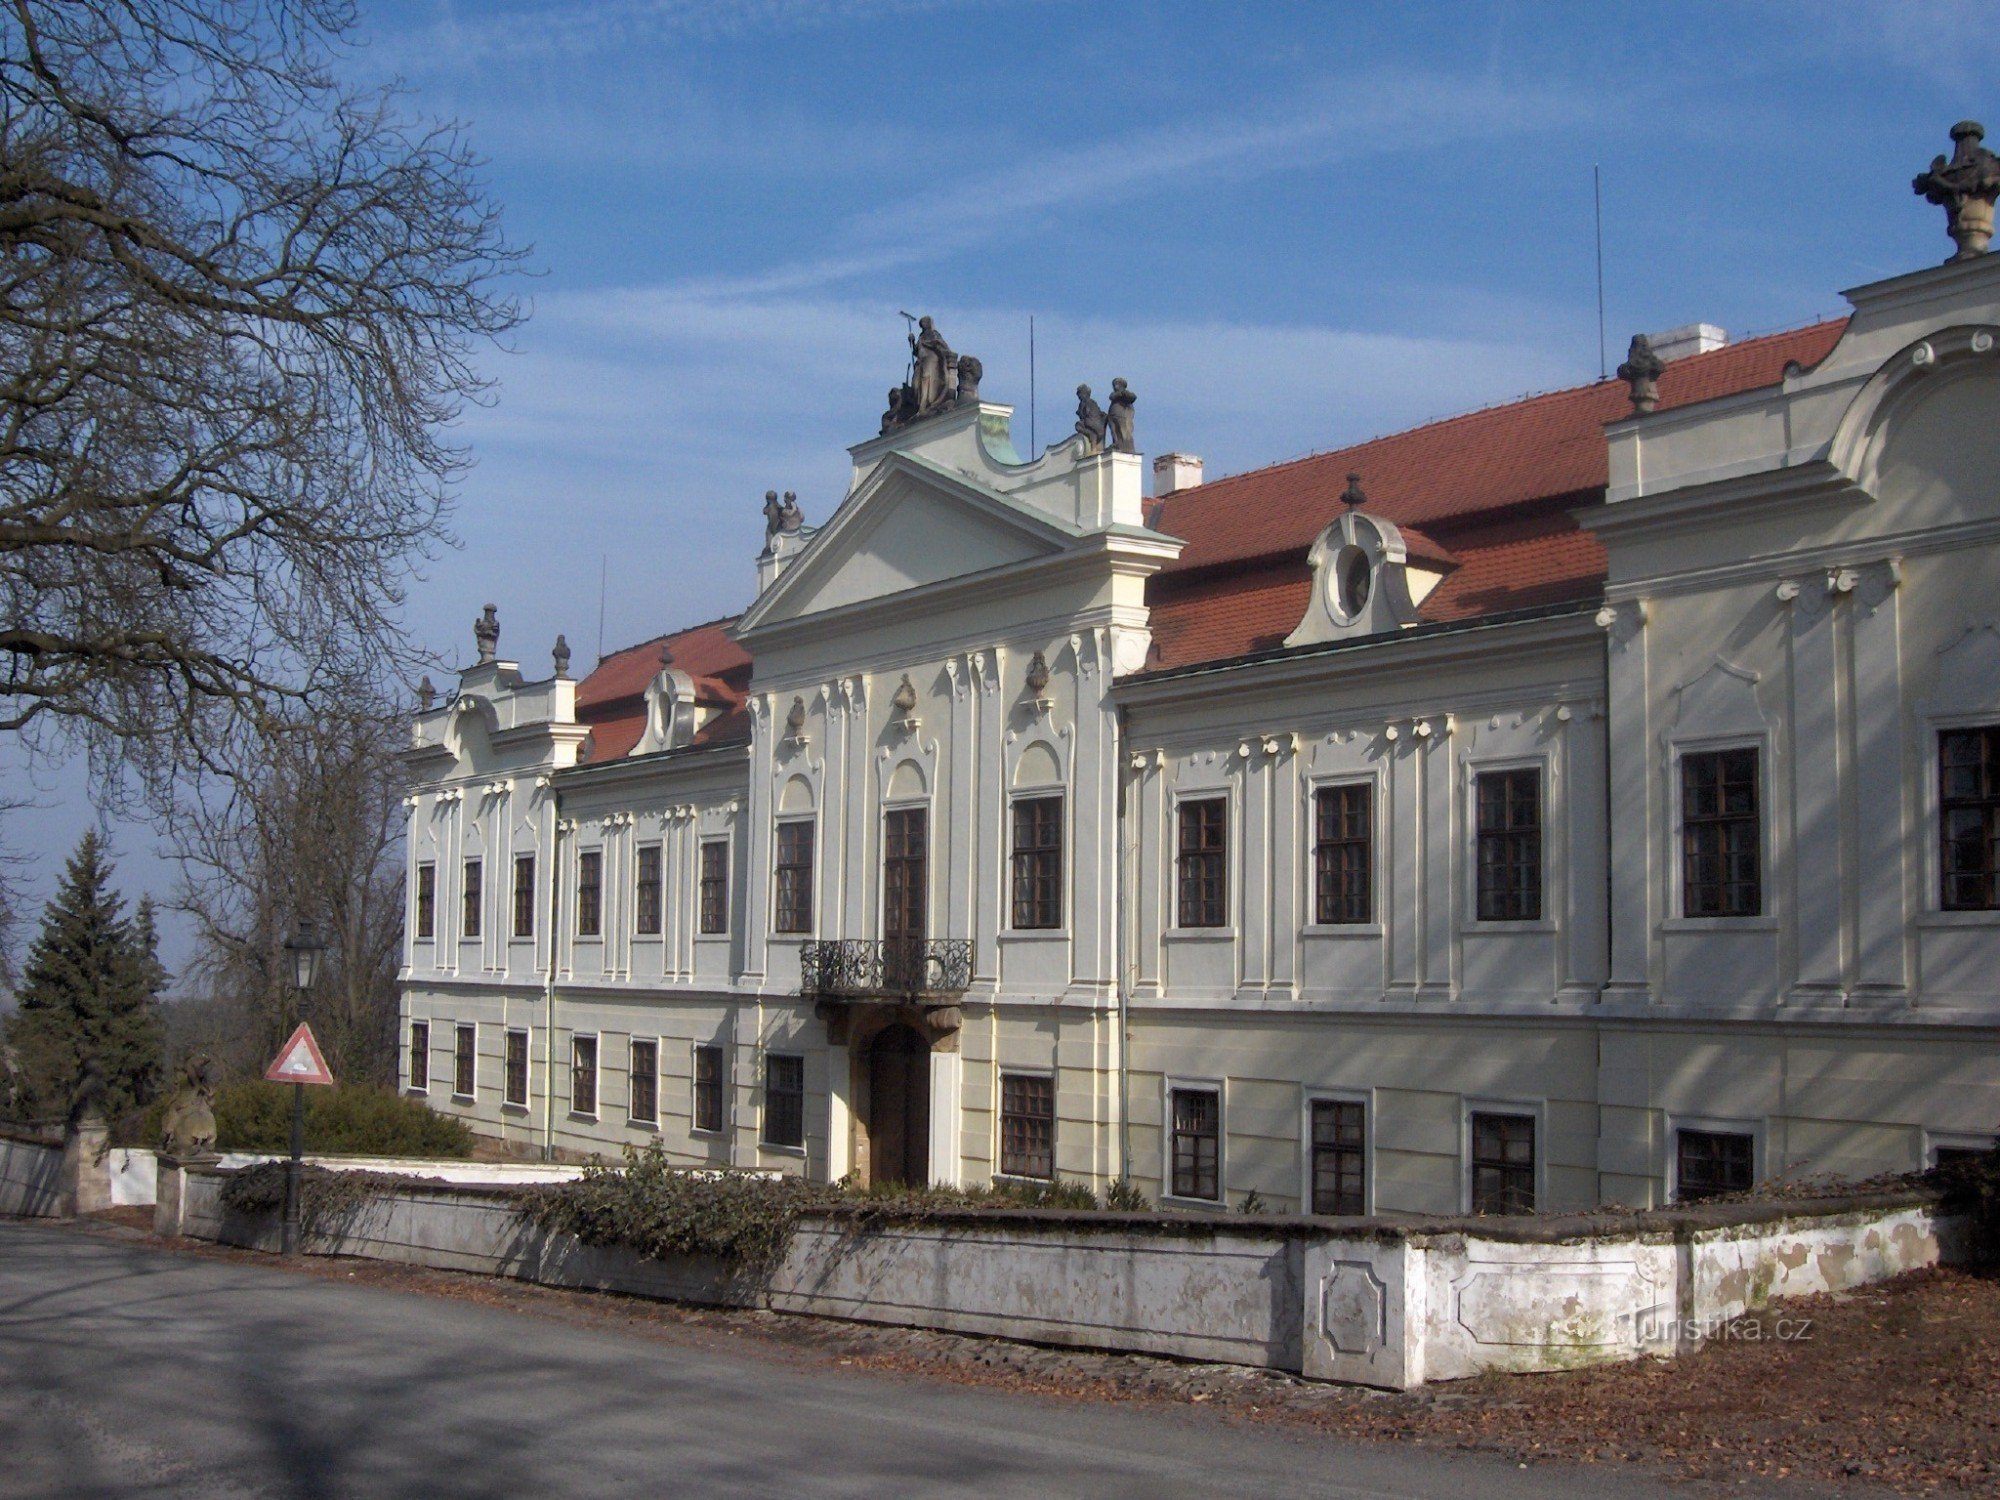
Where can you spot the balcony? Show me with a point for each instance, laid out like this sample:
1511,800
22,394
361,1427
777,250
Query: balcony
892,969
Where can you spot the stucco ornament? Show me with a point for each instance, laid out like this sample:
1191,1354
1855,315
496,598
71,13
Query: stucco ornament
795,721
1641,371
1038,675
486,633
1964,187
905,701
1363,583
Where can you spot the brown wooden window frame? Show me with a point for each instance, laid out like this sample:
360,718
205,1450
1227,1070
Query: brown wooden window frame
1201,862
1969,884
590,893
426,917
1722,838
1194,1143
1338,1155
1037,861
1499,1183
1712,1174
420,1057
1028,1125
713,867
642,1093
524,895
583,1076
514,1072
472,899
648,891
1508,868
1344,854
785,1100
792,875
710,1101
465,1060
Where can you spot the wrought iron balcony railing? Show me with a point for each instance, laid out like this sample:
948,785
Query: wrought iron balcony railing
860,967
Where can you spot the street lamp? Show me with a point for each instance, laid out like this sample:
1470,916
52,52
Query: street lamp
305,949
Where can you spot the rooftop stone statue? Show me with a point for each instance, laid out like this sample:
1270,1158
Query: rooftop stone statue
1642,369
486,632
1119,419
1964,187
1090,421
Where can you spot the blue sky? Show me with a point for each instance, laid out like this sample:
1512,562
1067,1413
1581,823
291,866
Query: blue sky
1289,227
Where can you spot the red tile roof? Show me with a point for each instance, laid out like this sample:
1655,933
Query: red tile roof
1491,490
612,699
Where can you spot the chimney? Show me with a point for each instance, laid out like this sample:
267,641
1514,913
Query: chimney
1174,472
1692,338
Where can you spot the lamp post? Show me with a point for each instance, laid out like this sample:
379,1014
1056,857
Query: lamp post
305,950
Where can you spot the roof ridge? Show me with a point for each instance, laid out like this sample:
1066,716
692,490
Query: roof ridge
1530,398
652,640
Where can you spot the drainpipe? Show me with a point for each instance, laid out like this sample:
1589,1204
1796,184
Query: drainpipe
549,990
1118,951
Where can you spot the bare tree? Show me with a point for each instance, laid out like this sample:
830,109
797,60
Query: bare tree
239,300
311,829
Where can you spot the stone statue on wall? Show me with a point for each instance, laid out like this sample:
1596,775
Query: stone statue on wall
781,518
1090,421
187,1130
1964,187
1641,370
486,633
939,379
1118,420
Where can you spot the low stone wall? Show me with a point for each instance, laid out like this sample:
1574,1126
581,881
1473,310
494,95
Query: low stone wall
31,1177
1372,1302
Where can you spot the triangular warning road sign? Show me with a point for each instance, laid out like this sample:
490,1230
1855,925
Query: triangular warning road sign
299,1060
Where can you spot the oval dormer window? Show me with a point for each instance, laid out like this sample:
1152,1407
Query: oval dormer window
1351,578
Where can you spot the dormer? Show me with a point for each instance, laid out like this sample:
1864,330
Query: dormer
1368,575
496,720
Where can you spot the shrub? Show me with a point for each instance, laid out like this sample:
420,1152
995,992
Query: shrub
326,1198
349,1119
1122,1195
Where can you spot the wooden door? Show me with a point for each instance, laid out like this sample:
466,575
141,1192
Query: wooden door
899,1107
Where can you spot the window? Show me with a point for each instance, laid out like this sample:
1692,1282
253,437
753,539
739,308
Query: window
1708,1162
1197,1143
715,886
427,899
1027,1125
589,893
1339,1157
644,1100
1204,868
1503,1164
469,925
524,895
583,1075
646,918
784,1100
708,1097
420,1057
515,1087
1343,833
1719,834
794,876
1038,877
1969,817
464,1062
1510,845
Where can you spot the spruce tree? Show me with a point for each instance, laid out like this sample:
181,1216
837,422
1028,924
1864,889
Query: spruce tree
88,993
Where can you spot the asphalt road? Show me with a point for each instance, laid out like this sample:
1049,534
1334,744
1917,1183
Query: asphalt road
126,1370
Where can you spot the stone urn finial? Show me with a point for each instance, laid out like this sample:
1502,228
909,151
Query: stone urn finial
426,694
795,721
486,632
905,701
1353,497
561,655
1964,187
1641,371
1038,675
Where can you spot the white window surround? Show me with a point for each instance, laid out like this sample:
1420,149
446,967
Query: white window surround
1931,909
1232,866
1756,1127
1170,1085
1538,1109
788,1047
728,887
1954,1140
517,1105
1312,784
598,1041
932,874
457,1027
659,1074
1003,1071
723,1082
1554,832
1366,1099
409,1041
778,821
1769,888
1059,932
649,938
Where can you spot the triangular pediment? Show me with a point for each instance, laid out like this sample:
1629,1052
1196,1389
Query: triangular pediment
910,525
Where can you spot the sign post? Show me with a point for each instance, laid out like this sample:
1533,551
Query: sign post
298,1063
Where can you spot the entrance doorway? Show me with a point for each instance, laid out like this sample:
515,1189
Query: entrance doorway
899,1107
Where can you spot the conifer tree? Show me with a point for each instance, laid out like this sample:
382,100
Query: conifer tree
88,993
